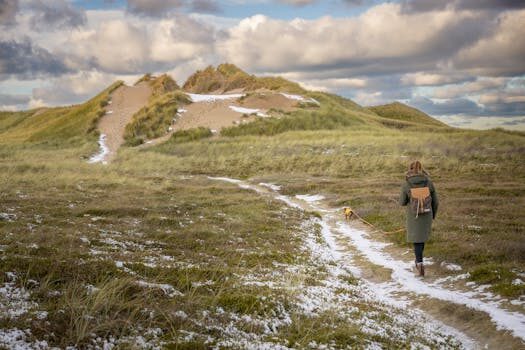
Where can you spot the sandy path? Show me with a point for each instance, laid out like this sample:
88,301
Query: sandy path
125,102
487,320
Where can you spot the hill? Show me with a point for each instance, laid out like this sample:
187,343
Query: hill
289,106
402,112
227,77
56,126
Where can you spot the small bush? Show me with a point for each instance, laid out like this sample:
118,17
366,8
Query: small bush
182,136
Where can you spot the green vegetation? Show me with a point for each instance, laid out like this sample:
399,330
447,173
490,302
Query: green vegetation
154,120
363,167
56,127
401,112
149,242
190,135
227,77
333,112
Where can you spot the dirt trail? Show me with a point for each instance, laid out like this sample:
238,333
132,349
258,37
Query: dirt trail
489,321
125,102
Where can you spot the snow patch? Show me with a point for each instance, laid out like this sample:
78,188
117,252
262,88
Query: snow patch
248,111
310,198
18,339
100,157
300,98
213,98
404,280
168,289
272,187
450,266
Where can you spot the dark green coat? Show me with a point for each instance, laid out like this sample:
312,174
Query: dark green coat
418,229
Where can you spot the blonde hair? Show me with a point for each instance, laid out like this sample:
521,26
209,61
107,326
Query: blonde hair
415,168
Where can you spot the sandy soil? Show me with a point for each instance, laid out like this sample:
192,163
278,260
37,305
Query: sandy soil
125,102
217,114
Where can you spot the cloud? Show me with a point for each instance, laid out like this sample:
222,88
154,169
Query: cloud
57,14
501,53
205,6
120,46
181,38
116,46
154,8
165,8
72,88
447,107
25,60
428,79
412,6
380,41
298,2
8,10
469,88
6,99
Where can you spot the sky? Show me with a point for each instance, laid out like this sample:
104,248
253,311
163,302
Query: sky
461,61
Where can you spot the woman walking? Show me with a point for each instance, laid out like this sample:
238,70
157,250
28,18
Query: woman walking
418,191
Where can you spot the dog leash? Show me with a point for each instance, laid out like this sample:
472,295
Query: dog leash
374,227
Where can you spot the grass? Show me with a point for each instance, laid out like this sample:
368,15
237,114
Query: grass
80,252
153,120
58,127
98,248
194,134
227,77
363,167
401,112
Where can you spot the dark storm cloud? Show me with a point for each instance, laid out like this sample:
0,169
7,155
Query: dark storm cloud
8,9
58,14
433,5
6,99
25,60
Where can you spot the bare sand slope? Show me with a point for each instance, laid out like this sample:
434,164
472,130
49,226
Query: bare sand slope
125,102
217,114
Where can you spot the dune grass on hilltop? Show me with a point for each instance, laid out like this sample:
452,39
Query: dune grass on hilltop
56,127
402,112
227,77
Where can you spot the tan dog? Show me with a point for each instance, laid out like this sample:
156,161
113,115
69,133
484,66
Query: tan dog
348,213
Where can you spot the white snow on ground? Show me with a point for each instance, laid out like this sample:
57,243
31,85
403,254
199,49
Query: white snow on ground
14,301
317,298
180,111
450,266
7,217
272,187
16,339
100,157
168,289
310,198
212,98
300,98
404,279
248,111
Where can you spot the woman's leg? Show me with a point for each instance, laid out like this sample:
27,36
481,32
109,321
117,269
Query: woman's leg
418,250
